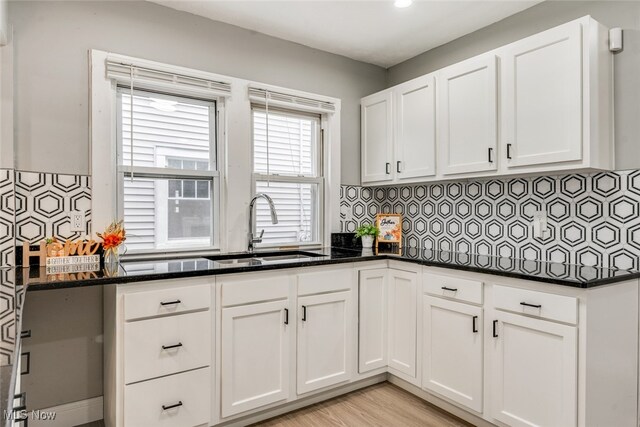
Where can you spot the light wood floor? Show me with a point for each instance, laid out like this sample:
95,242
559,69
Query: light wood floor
380,405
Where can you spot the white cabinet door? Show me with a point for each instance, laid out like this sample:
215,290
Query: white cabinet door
402,301
377,137
372,325
542,97
452,351
533,371
255,356
467,116
324,340
415,128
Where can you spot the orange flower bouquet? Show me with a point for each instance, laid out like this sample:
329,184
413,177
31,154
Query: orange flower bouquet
112,238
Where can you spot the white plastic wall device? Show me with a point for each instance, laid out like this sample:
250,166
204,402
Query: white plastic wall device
615,39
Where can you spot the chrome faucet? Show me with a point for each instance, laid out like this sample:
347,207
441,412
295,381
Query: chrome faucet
274,219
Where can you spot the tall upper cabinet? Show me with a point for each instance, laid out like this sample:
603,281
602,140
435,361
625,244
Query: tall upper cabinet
399,133
377,131
541,104
468,116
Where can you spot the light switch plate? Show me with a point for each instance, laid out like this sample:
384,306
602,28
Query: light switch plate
78,223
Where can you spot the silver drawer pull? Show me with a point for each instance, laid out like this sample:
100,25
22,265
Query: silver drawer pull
168,347
531,305
175,405
170,302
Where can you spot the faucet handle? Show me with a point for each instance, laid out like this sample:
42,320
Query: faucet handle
261,234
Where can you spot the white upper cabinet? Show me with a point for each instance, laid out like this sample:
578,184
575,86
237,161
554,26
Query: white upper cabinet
542,88
399,133
377,134
468,116
541,104
415,128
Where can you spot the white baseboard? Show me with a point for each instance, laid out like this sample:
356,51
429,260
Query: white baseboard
71,414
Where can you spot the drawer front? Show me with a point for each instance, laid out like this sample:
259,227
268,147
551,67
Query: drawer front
190,393
255,288
453,287
145,357
326,281
139,305
540,304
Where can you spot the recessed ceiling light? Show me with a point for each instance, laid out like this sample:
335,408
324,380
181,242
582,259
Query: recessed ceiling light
403,3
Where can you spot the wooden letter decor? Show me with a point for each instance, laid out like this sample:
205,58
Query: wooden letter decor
58,250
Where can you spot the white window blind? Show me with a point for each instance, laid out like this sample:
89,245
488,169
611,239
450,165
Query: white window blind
260,96
287,167
175,83
168,202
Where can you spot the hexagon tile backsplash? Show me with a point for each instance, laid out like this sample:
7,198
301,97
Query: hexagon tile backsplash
593,218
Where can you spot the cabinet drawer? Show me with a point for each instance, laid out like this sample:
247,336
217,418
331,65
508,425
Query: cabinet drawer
145,357
453,287
166,301
190,391
325,281
541,304
254,288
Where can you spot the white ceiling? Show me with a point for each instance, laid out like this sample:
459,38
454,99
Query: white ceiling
371,31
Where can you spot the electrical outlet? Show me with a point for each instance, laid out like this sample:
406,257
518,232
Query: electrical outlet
540,225
77,221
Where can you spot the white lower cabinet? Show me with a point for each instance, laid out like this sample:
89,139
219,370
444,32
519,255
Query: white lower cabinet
255,356
181,400
501,350
324,340
372,316
162,346
403,321
534,371
452,363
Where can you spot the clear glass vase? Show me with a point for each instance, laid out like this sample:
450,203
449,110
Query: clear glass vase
111,258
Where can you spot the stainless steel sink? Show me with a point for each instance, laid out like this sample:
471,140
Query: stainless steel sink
236,261
258,258
292,257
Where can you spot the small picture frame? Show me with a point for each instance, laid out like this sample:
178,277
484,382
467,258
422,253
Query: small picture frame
389,228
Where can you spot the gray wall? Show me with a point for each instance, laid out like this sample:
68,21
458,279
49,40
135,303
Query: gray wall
51,72
625,14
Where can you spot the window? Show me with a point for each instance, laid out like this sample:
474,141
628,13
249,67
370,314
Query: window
168,187
287,166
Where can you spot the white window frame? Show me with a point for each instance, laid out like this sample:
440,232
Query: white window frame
234,149
295,179
124,171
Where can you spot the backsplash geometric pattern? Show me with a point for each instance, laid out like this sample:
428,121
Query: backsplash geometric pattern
33,206
593,218
43,204
7,278
7,216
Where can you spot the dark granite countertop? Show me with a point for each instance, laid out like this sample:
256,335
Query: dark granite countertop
35,279
158,269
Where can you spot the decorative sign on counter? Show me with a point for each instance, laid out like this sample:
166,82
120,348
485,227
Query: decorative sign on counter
68,256
389,229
